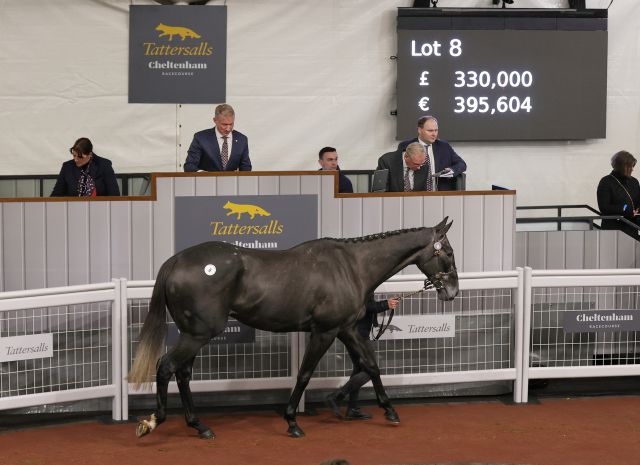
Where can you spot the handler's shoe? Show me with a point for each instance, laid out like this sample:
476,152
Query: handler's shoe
332,401
391,415
355,413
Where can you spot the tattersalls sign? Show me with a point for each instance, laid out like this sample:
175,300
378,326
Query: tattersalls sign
273,222
177,54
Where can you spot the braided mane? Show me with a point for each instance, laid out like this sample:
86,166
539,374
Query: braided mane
373,237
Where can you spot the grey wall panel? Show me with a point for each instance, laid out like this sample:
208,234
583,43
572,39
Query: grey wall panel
608,250
35,254
2,267
508,231
574,250
311,185
536,247
13,246
227,185
184,186
248,185
142,240
120,250
412,213
521,250
371,215
163,227
78,239
57,244
626,251
330,209
352,218
493,236
268,185
100,242
555,251
289,185
592,248
432,210
471,257
205,185
391,213
454,209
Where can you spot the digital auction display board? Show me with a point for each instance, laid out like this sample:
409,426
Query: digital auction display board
503,74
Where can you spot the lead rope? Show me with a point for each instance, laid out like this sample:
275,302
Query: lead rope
382,328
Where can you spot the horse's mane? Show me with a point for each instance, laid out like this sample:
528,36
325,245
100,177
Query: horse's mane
373,237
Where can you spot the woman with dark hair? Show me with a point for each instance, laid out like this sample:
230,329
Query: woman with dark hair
619,194
86,175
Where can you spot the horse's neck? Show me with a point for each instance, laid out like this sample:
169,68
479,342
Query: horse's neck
380,259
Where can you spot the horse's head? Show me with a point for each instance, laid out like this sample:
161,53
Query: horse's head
437,263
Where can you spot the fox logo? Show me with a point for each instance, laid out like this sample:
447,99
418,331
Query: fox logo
171,31
239,209
392,328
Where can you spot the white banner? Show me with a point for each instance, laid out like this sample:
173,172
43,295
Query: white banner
26,347
421,327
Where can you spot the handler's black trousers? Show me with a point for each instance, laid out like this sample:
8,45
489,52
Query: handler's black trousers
358,378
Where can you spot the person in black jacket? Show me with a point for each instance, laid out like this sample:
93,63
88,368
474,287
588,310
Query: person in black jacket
358,376
328,160
87,175
619,194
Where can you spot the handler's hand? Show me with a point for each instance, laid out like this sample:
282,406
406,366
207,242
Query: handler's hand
393,302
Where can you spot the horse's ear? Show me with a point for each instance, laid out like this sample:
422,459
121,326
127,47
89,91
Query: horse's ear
442,227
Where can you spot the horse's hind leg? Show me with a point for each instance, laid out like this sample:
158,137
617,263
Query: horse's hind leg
177,358
367,359
183,376
318,345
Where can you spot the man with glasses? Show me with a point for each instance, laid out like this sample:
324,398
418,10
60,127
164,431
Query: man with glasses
441,158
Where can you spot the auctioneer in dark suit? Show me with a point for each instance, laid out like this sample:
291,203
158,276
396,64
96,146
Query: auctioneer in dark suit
100,170
444,157
392,161
204,153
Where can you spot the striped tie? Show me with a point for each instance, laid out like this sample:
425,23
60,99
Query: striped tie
407,181
224,153
429,185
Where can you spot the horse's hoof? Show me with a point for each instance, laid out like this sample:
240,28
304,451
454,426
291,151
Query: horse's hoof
392,416
295,432
208,434
143,429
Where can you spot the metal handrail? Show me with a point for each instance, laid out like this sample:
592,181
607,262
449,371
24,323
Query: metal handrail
557,207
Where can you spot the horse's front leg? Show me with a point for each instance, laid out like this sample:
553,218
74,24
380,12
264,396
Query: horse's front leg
367,358
317,347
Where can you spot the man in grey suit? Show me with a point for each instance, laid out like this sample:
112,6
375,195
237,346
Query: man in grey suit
407,171
219,148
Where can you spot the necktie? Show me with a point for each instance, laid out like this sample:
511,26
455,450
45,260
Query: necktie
429,185
407,181
224,153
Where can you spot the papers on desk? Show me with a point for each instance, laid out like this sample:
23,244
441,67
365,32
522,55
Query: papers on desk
445,173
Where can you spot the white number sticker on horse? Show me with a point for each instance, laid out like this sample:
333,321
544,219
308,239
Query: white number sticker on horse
210,269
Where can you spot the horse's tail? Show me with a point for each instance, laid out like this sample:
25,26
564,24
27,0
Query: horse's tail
153,334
